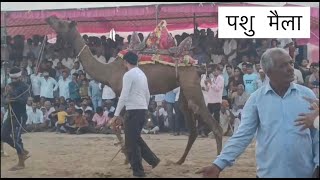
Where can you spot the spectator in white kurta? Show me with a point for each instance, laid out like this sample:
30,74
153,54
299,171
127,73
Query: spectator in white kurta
68,62
29,104
64,85
230,49
262,79
47,86
107,93
35,84
99,56
76,68
298,78
35,119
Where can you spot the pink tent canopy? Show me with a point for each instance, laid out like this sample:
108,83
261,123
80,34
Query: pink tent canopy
126,19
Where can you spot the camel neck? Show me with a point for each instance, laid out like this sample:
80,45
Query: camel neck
100,72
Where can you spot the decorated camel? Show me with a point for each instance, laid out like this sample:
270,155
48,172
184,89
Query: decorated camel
163,76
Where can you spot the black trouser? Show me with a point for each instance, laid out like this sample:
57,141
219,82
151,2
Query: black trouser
136,147
214,109
11,132
177,119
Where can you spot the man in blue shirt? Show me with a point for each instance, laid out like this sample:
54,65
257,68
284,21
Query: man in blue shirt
95,94
282,150
250,80
170,99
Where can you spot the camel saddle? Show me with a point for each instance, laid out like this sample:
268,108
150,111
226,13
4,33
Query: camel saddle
160,47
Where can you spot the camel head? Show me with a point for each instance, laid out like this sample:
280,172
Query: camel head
66,29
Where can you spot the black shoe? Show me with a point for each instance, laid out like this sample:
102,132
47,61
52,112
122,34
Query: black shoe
139,174
156,164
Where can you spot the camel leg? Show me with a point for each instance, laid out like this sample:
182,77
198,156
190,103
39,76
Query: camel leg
191,124
190,86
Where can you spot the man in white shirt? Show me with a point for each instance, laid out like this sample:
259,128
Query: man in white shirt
47,86
35,84
107,93
285,43
29,104
64,85
135,97
35,119
67,62
99,57
298,78
230,49
76,68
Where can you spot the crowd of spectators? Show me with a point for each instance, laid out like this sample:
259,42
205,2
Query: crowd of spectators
64,98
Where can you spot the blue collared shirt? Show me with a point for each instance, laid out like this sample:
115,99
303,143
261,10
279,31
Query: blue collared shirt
282,150
94,90
170,97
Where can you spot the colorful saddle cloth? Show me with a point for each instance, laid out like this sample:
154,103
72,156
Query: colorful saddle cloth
161,41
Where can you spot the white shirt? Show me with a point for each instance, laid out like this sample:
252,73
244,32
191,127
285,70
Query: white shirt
64,88
111,59
177,92
106,112
101,59
54,62
107,92
283,42
35,117
35,83
135,91
298,78
47,87
28,108
84,110
228,46
67,62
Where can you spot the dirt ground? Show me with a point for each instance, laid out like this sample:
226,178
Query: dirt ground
63,155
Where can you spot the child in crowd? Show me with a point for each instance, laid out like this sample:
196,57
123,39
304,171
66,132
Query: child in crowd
62,118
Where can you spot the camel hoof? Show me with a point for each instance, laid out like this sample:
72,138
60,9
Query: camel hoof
179,162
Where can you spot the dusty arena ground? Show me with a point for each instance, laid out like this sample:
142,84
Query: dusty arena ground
62,155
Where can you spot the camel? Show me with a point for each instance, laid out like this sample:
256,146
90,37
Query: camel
161,79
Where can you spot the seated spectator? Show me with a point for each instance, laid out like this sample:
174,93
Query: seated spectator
151,126
84,106
29,104
62,118
49,120
162,117
226,118
239,98
101,122
35,121
62,101
108,107
81,125
89,116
